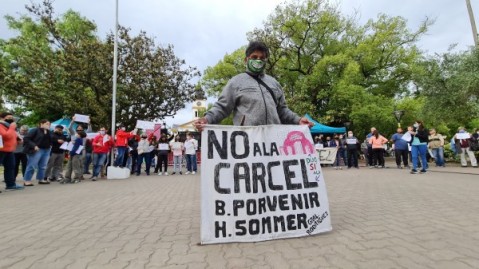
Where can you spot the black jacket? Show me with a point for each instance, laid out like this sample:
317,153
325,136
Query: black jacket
37,137
55,144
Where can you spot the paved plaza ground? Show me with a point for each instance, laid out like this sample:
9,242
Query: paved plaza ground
382,218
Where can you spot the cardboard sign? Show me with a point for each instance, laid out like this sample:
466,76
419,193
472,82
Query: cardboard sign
261,183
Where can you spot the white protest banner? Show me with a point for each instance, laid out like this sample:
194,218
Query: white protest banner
261,183
82,118
327,155
463,136
145,125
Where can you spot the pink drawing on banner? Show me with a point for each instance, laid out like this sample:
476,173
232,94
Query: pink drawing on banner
294,137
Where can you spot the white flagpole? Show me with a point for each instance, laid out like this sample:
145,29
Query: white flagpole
115,67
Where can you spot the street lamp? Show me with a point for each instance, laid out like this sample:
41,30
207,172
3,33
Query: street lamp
398,114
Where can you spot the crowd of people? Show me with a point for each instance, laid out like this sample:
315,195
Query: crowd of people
41,152
415,146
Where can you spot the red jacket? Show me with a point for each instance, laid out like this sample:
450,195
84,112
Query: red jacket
101,147
9,136
122,138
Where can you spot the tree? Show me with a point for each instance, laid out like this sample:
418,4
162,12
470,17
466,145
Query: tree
331,67
58,66
450,84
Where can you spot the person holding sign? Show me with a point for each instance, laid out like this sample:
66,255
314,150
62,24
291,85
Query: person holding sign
420,138
462,140
401,148
163,150
352,144
55,163
74,163
8,136
253,97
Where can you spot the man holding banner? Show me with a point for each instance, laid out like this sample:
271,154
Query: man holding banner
259,182
253,97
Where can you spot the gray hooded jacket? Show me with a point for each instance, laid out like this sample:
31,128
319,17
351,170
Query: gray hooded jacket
244,96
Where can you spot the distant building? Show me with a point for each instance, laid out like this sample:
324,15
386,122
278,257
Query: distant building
199,106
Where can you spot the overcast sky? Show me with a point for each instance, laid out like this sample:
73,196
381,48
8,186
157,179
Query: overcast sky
203,31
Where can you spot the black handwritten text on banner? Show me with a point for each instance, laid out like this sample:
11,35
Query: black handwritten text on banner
261,183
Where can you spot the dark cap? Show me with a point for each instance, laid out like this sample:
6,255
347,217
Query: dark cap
59,127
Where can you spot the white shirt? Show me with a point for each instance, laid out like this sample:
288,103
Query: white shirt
191,146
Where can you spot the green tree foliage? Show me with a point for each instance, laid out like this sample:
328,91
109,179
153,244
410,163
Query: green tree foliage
450,83
330,66
58,66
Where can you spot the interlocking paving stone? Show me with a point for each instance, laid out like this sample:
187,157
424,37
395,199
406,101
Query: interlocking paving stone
382,218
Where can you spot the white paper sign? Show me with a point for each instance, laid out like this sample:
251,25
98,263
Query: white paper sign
145,125
67,146
64,146
163,146
82,118
351,141
406,137
463,136
80,148
267,185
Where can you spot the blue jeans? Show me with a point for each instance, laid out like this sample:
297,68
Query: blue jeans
144,156
98,161
7,159
419,151
120,156
37,161
191,162
438,154
87,162
177,163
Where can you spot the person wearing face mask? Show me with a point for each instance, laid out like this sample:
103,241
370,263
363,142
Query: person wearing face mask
121,144
420,138
20,156
9,143
143,154
253,97
163,150
436,144
462,140
177,147
401,149
74,164
55,163
36,145
352,144
102,143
